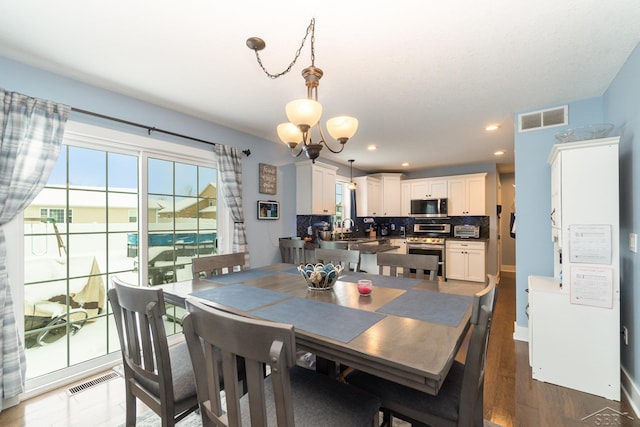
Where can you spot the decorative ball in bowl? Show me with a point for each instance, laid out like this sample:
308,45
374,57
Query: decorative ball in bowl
320,277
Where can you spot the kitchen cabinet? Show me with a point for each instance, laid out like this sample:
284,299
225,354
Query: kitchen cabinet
465,260
466,195
390,187
315,188
368,196
402,243
427,188
574,317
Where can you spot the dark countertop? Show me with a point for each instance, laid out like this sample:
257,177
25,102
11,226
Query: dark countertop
369,248
460,239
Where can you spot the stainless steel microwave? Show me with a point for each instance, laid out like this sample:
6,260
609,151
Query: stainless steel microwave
430,208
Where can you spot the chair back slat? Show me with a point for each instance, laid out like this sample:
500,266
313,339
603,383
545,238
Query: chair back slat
407,262
473,381
348,259
217,264
292,251
258,343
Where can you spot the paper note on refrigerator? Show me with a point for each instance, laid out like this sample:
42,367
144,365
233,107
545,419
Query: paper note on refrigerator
591,285
590,244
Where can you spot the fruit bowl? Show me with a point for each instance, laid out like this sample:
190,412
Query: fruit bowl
583,133
320,277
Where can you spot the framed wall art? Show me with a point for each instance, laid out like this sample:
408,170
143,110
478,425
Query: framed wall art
268,209
267,178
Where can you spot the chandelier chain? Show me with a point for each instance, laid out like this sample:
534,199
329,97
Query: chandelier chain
310,29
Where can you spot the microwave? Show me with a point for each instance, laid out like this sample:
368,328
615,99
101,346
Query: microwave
430,208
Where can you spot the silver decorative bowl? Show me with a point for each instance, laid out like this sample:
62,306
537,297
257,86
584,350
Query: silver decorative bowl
583,133
320,277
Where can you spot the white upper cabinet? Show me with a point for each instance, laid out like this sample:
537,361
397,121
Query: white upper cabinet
467,195
368,196
391,197
315,188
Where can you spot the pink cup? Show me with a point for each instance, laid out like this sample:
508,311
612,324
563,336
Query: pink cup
365,286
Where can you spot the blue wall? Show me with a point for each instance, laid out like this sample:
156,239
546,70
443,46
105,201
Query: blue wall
534,249
262,235
621,104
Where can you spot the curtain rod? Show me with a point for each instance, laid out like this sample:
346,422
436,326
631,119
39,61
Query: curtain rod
148,128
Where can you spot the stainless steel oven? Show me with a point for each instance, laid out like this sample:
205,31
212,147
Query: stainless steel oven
428,239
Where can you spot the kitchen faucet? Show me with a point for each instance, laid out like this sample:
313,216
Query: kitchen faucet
353,224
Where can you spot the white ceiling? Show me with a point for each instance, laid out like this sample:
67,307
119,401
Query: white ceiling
423,77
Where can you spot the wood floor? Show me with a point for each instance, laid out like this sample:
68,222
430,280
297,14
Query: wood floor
511,397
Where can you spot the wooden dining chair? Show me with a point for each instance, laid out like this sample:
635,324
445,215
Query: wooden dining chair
458,403
217,264
487,297
292,250
348,259
159,375
420,263
288,395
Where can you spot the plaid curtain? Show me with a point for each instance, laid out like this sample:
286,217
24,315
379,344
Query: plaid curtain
230,170
30,136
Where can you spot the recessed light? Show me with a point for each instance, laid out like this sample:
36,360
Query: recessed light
491,128
372,147
499,153
405,164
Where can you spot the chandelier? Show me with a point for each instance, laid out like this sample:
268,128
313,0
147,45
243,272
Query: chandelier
304,114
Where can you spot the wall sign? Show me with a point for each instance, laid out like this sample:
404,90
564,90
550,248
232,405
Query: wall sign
267,178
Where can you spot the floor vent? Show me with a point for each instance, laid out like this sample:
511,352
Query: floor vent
92,383
543,119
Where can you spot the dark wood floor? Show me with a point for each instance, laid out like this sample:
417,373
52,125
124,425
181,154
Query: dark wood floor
512,398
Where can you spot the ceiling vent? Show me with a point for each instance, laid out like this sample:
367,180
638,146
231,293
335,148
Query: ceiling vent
543,119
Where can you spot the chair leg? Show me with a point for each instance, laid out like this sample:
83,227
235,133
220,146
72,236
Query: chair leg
387,418
131,409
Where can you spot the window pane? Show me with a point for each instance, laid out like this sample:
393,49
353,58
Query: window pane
160,176
186,180
87,168
89,213
207,177
123,172
122,207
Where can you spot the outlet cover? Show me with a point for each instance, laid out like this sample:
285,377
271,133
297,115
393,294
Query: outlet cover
633,242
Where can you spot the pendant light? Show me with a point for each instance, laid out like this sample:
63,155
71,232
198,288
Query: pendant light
352,185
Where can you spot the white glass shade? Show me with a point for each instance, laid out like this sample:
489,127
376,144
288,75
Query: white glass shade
342,127
289,133
304,112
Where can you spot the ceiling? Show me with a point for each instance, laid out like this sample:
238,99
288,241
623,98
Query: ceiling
424,78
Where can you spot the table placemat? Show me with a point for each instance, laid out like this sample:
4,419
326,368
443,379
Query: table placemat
434,307
404,283
321,318
241,297
293,270
240,276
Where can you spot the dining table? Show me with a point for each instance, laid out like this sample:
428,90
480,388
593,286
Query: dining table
406,330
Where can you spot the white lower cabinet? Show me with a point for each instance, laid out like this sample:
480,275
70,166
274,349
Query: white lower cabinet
465,260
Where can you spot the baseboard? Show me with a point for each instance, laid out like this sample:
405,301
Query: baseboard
508,268
631,390
520,333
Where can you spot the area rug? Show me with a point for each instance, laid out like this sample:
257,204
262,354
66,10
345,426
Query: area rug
150,419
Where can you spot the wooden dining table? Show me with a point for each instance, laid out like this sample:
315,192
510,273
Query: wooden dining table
407,330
